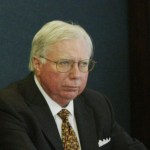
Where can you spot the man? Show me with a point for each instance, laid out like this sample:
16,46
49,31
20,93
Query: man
31,115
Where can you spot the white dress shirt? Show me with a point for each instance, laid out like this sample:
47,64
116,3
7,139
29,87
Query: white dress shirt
55,108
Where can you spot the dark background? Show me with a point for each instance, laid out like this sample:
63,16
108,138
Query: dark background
139,50
111,24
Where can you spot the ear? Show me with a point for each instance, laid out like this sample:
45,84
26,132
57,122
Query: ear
37,65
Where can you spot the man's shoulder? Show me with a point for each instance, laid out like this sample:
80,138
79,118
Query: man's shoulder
10,95
98,104
14,88
93,95
9,91
12,92
95,98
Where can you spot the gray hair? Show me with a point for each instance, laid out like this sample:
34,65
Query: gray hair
53,32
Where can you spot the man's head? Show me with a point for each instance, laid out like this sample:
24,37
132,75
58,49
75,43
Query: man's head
56,31
61,59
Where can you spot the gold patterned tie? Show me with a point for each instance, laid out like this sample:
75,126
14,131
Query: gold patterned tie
69,138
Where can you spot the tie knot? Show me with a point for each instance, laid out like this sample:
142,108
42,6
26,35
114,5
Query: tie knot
63,114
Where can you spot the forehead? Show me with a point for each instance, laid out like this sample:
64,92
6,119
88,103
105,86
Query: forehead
72,48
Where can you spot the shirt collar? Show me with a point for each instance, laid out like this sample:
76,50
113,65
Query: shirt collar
54,107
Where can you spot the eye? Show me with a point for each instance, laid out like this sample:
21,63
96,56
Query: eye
84,63
64,62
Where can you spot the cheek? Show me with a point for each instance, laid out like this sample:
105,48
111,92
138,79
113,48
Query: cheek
51,81
54,81
84,82
48,78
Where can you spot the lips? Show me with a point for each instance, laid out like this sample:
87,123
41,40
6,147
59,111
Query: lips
71,88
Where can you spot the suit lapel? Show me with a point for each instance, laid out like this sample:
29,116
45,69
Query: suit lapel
42,112
86,125
48,125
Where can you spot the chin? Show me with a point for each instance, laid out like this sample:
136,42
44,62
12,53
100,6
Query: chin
70,96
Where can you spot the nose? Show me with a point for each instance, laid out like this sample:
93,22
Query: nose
75,72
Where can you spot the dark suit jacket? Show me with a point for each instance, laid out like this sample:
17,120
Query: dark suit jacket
26,122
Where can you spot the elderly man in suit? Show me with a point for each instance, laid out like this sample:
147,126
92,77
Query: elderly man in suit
51,109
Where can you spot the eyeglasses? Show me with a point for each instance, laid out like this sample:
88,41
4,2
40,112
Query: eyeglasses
65,65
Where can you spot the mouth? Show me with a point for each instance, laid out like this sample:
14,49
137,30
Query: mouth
71,88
